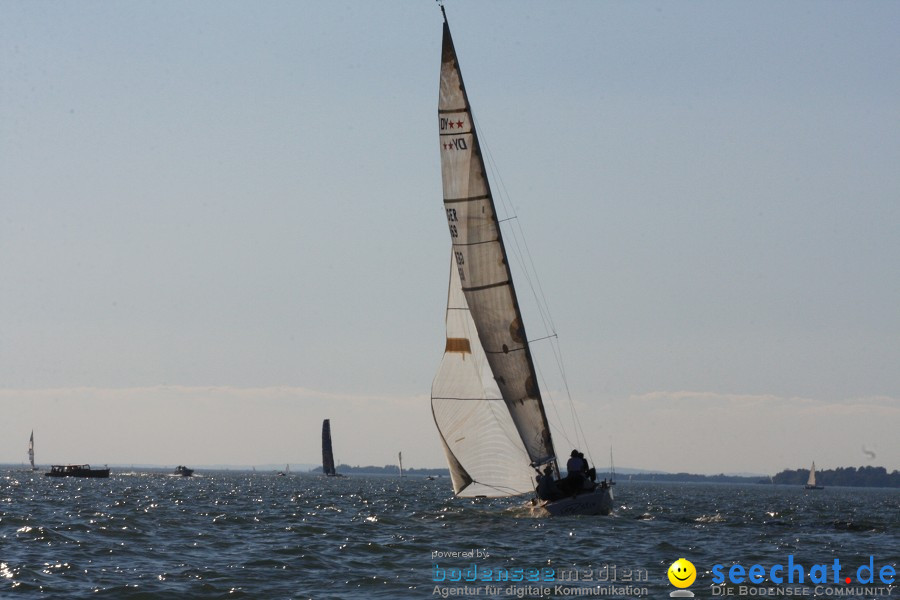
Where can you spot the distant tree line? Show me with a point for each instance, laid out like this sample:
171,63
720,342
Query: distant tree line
688,477
387,470
842,476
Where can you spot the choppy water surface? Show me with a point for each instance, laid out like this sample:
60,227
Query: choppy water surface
243,535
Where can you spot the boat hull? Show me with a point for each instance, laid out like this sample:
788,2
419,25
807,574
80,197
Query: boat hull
597,502
814,487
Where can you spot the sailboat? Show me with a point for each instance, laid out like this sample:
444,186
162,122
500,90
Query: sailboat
327,453
485,398
811,482
31,451
400,460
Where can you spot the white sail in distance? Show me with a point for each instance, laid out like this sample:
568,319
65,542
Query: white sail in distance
31,450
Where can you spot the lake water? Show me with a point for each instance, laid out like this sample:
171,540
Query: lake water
254,535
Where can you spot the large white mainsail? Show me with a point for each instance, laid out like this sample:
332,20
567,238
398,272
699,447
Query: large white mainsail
482,271
811,482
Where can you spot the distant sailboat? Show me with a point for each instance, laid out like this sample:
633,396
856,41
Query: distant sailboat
400,459
485,397
327,453
811,482
612,468
31,451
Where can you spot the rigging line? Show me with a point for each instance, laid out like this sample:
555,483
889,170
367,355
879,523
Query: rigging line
538,292
560,365
503,194
546,337
518,232
540,298
576,421
548,394
537,279
552,401
501,488
539,295
575,418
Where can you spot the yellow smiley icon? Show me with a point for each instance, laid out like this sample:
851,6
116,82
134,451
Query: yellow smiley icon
682,573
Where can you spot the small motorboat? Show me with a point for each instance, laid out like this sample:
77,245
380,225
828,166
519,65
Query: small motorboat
183,471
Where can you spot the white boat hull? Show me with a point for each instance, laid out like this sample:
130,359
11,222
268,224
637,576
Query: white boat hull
597,502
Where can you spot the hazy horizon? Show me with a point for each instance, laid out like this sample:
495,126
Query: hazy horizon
316,469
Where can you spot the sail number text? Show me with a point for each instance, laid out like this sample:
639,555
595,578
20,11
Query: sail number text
452,220
460,261
453,143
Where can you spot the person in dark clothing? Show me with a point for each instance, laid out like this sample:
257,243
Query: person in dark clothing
546,489
587,471
575,472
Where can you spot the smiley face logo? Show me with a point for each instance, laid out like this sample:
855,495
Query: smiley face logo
682,573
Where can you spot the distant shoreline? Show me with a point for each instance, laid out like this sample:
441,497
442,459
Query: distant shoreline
841,477
877,477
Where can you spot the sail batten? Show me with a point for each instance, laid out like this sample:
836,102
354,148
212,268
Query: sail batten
457,200
484,287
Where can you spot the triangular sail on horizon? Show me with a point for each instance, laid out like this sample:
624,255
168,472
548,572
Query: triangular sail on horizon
482,268
812,475
483,448
327,454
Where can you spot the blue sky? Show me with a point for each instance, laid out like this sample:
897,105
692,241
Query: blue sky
221,222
